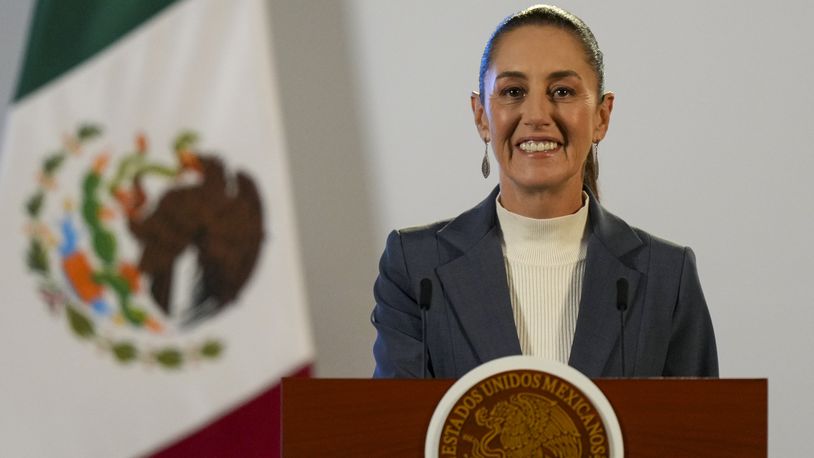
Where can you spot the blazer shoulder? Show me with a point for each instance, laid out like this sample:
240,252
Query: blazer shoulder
662,258
422,231
416,245
461,231
661,246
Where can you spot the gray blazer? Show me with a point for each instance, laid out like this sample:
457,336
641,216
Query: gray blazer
668,331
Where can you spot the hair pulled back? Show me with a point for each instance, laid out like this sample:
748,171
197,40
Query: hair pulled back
547,15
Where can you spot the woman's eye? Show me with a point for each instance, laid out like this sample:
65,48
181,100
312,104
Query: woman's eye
514,92
561,92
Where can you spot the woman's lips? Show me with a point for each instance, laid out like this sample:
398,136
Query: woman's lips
539,148
532,146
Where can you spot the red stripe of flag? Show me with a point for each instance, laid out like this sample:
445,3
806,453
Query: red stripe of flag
251,430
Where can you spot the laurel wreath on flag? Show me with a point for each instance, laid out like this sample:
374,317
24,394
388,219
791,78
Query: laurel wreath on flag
96,275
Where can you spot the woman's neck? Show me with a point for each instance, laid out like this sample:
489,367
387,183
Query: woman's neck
541,203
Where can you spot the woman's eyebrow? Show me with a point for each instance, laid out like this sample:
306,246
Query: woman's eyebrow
563,74
559,74
511,74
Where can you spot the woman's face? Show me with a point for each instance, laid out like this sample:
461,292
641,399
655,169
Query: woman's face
541,112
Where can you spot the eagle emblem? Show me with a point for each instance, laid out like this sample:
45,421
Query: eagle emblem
526,425
145,246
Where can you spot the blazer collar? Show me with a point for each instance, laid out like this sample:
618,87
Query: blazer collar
615,234
473,275
466,230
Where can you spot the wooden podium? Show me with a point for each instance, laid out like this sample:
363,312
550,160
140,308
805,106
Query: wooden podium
658,417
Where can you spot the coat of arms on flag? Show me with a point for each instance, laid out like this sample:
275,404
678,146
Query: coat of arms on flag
204,231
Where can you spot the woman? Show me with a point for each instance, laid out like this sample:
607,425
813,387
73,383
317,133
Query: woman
539,267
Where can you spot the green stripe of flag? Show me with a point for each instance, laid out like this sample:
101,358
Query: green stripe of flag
64,33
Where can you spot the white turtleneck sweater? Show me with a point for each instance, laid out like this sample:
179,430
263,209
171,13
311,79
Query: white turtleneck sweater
545,264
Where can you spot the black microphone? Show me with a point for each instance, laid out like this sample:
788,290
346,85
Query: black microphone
621,305
424,300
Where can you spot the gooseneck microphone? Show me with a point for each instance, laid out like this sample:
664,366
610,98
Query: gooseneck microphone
621,305
424,300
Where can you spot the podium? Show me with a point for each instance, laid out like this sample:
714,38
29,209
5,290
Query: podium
658,417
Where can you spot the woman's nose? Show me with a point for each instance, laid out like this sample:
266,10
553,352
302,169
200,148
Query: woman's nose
538,111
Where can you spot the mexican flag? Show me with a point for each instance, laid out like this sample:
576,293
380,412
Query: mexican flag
152,295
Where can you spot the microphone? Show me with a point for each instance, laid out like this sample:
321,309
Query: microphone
621,305
424,300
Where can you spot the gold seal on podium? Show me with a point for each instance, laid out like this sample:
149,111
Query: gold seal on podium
521,406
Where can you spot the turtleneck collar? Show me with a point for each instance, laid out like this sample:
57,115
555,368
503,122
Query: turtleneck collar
551,241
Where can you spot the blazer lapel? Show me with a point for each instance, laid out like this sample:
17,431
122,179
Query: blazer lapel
598,321
474,281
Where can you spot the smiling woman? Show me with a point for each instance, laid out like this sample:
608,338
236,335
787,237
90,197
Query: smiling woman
539,266
542,109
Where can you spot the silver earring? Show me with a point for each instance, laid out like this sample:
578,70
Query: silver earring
594,152
484,166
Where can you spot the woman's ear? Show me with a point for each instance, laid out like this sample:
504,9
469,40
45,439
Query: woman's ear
479,112
603,114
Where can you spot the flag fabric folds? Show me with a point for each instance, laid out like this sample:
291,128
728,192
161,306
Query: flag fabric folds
152,288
